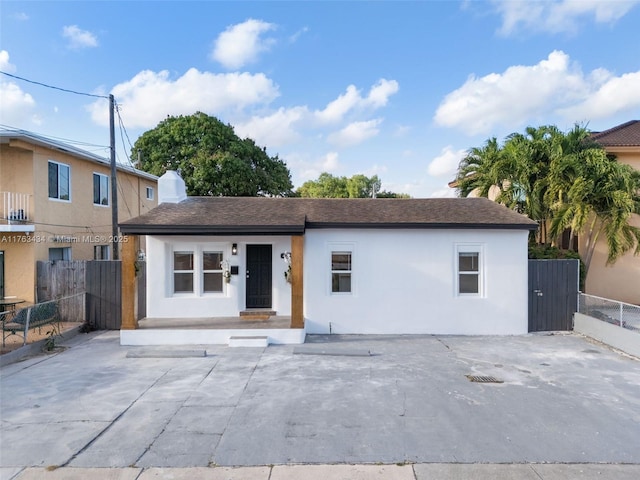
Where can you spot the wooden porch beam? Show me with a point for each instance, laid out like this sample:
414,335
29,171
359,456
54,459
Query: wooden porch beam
297,290
129,256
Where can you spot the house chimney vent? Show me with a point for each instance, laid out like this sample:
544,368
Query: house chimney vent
171,188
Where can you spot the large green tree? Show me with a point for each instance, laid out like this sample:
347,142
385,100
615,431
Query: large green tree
356,186
211,158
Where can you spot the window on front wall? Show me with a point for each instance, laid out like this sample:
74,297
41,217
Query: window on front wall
212,272
340,272
63,253
183,272
59,181
101,252
469,273
100,189
149,193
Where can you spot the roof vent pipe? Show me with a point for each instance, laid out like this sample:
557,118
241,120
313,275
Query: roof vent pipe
171,188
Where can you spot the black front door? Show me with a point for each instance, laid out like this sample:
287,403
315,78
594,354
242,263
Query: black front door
258,276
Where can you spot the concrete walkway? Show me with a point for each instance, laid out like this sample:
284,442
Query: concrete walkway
337,407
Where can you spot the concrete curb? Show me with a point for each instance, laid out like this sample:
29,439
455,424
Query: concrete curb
420,471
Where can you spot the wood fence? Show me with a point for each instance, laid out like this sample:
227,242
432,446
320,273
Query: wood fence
100,280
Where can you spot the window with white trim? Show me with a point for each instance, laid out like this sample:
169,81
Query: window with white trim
100,189
183,272
341,262
212,280
101,252
59,181
469,271
149,193
59,253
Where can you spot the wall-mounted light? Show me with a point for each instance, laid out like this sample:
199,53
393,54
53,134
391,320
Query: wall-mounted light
234,249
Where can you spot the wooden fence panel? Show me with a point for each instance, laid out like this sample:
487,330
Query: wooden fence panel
63,281
69,280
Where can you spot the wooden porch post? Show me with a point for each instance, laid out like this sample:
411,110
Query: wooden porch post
129,257
297,254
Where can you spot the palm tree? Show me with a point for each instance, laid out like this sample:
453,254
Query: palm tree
596,195
478,172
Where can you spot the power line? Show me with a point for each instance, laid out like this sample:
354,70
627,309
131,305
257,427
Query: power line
53,87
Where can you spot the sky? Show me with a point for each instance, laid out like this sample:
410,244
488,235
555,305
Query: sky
398,89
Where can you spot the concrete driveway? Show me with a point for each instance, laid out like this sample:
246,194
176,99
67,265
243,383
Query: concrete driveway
338,399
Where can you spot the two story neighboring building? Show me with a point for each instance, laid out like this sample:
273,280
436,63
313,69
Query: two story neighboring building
56,204
620,281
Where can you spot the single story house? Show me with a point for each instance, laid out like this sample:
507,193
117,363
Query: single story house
347,266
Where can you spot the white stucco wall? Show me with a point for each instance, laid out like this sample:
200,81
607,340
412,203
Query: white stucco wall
162,303
404,281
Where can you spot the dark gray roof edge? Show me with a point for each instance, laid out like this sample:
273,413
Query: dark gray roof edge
138,229
427,226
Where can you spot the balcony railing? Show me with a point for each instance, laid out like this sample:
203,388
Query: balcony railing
15,208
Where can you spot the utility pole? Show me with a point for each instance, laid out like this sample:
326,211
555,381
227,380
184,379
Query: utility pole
114,186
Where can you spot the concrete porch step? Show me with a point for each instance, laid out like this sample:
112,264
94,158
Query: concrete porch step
249,341
257,314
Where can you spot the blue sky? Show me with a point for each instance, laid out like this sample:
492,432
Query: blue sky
400,89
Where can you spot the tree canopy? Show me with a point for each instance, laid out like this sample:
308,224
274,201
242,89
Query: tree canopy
357,186
561,180
211,158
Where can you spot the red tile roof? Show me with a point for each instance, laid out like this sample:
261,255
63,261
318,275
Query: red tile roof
288,216
625,135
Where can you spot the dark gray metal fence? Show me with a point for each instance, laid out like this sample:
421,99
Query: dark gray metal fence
553,294
104,294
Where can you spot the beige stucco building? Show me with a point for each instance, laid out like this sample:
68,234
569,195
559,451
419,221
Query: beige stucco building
620,281
56,204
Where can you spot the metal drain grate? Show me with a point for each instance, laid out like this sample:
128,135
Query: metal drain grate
483,379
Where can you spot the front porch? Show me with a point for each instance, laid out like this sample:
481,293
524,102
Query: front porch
232,331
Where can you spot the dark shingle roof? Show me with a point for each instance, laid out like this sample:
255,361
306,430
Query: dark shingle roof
625,135
287,216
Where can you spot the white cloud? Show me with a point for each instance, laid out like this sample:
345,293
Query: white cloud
79,38
149,97
5,64
446,163
274,130
553,86
17,106
351,100
444,192
310,169
615,95
21,16
558,15
241,44
355,133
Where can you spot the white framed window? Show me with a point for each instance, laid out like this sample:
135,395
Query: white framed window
59,253
101,252
341,271
59,181
100,189
183,272
469,271
149,193
212,280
